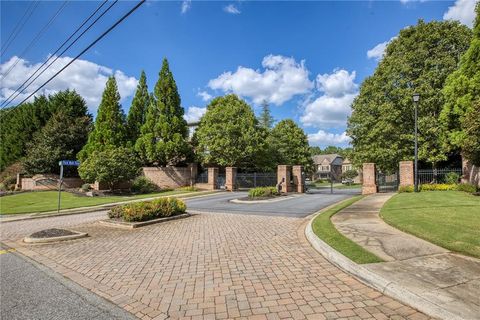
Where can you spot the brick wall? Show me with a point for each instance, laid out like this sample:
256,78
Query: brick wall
171,177
48,182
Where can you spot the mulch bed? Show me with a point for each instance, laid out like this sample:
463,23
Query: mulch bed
50,233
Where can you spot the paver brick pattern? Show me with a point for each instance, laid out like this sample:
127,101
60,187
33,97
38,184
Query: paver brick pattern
215,266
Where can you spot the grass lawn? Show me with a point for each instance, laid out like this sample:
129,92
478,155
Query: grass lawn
325,230
42,201
450,219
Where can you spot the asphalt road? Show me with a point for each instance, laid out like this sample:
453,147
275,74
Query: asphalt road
31,291
297,206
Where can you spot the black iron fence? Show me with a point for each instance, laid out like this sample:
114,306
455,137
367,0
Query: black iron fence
446,175
387,182
256,179
202,177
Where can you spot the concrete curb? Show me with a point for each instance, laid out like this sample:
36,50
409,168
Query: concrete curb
262,201
134,225
390,288
106,206
77,235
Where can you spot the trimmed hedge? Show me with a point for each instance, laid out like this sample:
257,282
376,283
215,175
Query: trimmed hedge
466,187
261,192
148,210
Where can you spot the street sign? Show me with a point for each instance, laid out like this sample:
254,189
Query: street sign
69,163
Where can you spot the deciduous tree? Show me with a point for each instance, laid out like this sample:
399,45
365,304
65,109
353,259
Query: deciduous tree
382,122
138,110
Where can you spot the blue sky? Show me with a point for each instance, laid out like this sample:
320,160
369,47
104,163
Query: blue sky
306,58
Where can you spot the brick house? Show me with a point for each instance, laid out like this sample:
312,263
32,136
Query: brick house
348,165
327,165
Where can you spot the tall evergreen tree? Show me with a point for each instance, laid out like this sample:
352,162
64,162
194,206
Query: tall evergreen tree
265,119
382,121
461,92
109,130
138,109
163,139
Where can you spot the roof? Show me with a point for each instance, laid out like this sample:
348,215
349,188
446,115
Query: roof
319,158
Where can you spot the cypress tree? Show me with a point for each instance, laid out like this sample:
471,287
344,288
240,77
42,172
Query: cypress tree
138,109
163,140
109,130
266,120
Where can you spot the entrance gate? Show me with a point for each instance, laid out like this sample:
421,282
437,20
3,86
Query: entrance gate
387,182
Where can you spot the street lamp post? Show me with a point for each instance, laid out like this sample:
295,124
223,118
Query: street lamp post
416,99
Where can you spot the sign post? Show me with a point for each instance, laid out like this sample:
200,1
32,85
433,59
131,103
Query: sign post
62,163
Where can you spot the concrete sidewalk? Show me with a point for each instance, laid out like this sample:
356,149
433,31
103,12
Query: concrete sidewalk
447,280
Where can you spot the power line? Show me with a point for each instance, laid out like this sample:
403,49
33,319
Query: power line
34,40
87,48
19,26
17,92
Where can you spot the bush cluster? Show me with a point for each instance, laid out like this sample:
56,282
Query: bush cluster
148,210
470,188
262,192
143,185
452,177
188,188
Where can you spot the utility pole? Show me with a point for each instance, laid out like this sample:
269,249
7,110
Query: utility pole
416,99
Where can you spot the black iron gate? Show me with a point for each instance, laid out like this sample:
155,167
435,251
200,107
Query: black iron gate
387,182
256,179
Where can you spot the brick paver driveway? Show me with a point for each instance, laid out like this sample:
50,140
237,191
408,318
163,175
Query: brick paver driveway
214,266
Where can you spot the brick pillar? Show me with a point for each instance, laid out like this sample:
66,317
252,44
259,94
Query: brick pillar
230,178
284,178
298,179
18,185
406,173
193,173
369,184
212,178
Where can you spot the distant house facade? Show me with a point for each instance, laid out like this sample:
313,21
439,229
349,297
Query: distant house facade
348,165
328,166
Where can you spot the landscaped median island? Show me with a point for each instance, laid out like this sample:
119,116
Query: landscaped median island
138,214
450,219
260,193
44,201
326,231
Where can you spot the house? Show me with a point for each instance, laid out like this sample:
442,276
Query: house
328,165
348,165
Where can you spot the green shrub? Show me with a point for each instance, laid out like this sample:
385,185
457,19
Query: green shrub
320,181
452,178
438,187
467,187
188,188
148,210
405,189
262,192
143,185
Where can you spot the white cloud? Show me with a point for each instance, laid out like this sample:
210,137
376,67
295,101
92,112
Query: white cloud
463,11
86,77
231,8
323,138
204,95
186,5
378,51
332,108
282,79
194,114
337,84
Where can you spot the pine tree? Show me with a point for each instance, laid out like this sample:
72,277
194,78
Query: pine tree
266,120
163,139
461,92
138,110
109,130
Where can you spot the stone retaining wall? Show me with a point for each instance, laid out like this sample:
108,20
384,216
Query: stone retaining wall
171,177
